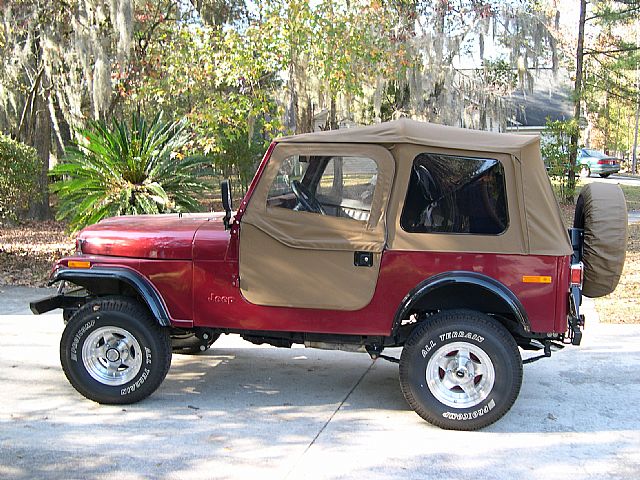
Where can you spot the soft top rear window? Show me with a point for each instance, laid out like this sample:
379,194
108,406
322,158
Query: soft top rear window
455,194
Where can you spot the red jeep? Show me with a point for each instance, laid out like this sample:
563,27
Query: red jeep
444,241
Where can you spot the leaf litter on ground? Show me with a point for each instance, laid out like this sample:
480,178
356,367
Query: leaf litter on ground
28,251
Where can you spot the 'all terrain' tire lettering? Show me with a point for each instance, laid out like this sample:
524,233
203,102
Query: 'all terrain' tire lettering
134,386
461,334
427,348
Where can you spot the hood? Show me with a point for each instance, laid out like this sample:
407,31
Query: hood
167,237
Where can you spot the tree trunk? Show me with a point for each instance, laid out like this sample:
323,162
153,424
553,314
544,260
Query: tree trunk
573,150
64,129
634,161
333,117
40,209
303,110
607,125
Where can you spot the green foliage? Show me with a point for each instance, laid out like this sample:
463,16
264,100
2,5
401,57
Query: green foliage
223,82
610,83
233,68
396,98
19,169
557,153
117,170
499,75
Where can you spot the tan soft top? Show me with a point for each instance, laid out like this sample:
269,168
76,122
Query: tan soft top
409,131
535,221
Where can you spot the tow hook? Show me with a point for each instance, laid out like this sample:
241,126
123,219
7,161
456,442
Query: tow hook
548,347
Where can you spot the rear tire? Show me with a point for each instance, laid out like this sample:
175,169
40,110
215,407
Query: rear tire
460,370
604,175
114,352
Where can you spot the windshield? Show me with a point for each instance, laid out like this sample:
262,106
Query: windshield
594,153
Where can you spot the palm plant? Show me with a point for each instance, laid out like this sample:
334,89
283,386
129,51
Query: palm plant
117,170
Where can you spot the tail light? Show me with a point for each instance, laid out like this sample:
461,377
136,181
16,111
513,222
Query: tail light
606,162
577,274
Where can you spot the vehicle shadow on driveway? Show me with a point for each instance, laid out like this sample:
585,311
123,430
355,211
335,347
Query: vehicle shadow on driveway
270,377
578,390
251,412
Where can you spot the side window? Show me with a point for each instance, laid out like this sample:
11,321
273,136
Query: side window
339,186
281,192
452,194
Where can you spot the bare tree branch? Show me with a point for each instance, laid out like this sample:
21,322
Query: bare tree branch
605,52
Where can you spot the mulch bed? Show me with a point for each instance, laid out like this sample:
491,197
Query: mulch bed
27,252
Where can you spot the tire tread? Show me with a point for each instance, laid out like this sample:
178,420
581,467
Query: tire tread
137,312
445,319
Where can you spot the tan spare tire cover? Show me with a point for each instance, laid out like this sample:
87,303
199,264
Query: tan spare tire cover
602,211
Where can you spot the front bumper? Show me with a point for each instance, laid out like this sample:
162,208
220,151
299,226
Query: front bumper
69,299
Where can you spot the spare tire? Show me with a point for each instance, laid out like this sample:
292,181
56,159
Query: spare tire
601,211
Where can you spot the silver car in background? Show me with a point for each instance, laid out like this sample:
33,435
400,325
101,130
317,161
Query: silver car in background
594,161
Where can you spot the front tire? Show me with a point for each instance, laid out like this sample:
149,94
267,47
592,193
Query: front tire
460,370
114,352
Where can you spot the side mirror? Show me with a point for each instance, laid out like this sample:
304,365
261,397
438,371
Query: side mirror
225,189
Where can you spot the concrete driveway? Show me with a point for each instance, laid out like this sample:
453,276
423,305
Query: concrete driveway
622,179
247,412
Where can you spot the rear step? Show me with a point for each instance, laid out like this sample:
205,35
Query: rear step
548,346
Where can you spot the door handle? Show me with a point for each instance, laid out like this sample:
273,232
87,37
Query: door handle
363,259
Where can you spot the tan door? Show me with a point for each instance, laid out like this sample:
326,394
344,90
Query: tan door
315,227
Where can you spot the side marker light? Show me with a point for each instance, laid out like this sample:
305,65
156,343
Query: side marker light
536,279
79,264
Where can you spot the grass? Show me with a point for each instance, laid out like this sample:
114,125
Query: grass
631,193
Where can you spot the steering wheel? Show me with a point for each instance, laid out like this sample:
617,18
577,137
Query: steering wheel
306,199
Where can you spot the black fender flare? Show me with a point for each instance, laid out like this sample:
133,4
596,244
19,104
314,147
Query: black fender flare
139,283
442,280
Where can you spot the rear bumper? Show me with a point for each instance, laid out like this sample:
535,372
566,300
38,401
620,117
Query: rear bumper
575,320
605,168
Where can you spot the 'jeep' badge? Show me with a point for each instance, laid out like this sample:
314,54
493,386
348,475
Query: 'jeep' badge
220,298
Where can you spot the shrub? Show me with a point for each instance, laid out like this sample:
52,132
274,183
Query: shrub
556,152
122,170
19,169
